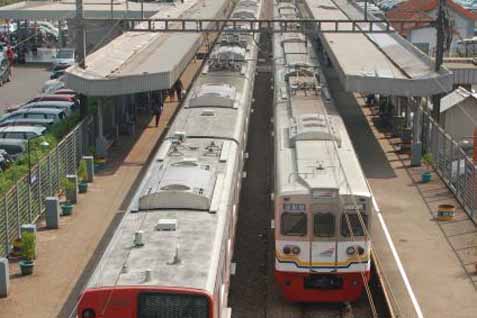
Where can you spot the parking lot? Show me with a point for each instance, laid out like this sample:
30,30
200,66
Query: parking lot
26,83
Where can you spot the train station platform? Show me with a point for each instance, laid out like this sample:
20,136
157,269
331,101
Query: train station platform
66,9
438,258
145,61
382,63
68,255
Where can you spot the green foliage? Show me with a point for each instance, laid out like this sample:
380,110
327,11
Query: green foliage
83,170
19,168
427,159
28,246
67,184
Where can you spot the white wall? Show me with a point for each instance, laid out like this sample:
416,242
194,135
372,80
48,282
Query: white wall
424,35
463,26
457,122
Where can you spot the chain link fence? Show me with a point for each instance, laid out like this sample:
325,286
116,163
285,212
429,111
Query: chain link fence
25,201
452,163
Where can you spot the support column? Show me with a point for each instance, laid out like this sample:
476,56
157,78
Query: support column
52,214
416,146
101,141
4,277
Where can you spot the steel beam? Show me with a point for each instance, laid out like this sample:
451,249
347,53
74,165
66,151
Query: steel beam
259,25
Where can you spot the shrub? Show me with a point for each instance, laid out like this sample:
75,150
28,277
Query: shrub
28,246
19,168
67,184
427,159
83,170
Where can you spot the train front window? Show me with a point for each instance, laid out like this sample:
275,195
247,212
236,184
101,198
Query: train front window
293,224
155,305
324,224
354,223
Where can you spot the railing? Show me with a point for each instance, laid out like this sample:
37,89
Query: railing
261,25
452,163
25,201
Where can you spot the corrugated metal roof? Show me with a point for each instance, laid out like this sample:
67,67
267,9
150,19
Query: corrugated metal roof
61,10
381,63
143,61
456,97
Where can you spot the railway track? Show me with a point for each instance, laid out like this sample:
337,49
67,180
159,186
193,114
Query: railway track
254,292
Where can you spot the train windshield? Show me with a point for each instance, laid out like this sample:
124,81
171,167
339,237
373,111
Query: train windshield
155,305
324,224
354,223
293,224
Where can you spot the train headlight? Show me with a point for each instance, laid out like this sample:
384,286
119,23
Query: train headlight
296,250
350,250
360,250
88,313
287,250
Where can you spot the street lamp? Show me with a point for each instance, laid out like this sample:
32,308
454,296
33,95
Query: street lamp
43,144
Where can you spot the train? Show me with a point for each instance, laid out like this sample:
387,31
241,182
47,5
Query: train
171,254
322,201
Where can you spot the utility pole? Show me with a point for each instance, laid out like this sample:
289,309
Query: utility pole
366,10
436,99
80,44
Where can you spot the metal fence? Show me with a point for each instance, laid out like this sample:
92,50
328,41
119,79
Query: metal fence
452,163
25,201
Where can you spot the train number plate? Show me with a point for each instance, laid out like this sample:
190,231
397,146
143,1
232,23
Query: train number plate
323,282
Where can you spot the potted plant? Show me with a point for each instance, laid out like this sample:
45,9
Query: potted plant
83,176
99,163
70,191
28,253
427,175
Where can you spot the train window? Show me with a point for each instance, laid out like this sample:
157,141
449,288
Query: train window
293,224
355,224
324,224
154,305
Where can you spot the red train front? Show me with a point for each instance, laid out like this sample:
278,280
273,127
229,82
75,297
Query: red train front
323,204
144,302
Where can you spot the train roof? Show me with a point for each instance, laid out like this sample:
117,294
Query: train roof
181,210
314,150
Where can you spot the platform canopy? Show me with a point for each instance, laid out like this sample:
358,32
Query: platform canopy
138,62
380,63
65,9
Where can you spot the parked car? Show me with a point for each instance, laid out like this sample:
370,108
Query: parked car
13,147
41,122
68,107
21,132
64,57
65,91
45,113
51,86
57,74
5,71
59,98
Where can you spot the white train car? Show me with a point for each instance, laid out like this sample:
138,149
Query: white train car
171,254
320,190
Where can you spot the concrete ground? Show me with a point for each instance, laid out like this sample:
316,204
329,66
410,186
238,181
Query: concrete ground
439,257
26,83
68,255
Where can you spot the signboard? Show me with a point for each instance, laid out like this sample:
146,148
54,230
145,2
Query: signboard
294,207
323,194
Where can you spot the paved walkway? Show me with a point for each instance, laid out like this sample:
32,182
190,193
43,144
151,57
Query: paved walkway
439,257
66,253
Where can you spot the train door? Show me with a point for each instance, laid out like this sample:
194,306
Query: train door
323,243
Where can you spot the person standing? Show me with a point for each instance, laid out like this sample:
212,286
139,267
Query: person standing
178,87
157,110
11,58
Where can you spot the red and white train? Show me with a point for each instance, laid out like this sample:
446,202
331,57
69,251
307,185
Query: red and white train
171,254
322,201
